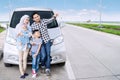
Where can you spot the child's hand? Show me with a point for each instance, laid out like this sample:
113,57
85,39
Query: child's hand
35,55
32,43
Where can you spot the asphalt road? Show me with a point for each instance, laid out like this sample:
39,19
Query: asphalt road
91,55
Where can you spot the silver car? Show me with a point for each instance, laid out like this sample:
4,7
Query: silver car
10,53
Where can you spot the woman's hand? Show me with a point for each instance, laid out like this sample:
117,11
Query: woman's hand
20,34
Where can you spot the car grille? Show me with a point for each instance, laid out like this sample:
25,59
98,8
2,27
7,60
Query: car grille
29,59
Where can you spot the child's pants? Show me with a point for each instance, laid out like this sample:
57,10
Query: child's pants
35,62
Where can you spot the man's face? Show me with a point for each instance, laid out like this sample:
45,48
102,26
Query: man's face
36,18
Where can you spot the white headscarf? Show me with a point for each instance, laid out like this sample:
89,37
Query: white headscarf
20,24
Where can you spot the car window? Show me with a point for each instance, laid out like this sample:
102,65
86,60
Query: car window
43,14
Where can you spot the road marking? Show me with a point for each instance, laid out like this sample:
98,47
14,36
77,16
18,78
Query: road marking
69,70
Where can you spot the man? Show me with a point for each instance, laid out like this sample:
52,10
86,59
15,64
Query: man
41,25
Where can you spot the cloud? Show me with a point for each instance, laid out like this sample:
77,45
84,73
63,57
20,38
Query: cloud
85,15
77,15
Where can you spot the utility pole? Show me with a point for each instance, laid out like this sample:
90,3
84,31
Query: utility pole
100,14
10,8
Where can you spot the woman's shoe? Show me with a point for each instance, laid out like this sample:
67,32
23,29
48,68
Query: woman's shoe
26,74
22,77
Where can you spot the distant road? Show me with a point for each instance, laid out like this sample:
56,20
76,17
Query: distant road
4,21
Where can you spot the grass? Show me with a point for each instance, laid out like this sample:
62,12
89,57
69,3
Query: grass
1,29
113,29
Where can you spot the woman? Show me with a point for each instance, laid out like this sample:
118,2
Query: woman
23,33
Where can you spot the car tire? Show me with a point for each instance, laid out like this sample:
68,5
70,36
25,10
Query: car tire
62,64
1,55
7,65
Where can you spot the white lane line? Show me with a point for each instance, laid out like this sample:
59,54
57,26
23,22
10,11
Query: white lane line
69,70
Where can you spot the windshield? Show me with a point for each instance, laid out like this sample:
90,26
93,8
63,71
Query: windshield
43,14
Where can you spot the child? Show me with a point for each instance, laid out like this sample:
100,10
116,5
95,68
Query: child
35,51
23,45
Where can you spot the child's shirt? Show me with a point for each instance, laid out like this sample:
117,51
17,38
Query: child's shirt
37,42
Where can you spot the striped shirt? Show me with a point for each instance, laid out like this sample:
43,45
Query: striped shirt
42,27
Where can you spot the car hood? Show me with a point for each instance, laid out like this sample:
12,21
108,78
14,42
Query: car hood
53,32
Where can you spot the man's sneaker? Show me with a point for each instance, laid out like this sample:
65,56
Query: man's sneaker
48,73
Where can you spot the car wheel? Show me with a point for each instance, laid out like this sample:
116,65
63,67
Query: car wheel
1,54
61,64
7,65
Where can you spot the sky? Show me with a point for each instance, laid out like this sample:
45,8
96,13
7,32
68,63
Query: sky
68,10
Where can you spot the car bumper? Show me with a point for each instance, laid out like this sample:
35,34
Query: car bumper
11,54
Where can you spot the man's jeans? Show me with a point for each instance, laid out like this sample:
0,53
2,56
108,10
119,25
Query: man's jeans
47,47
42,55
35,62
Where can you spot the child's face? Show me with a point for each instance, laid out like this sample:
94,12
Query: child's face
37,34
36,18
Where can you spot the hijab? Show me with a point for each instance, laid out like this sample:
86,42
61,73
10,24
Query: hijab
21,23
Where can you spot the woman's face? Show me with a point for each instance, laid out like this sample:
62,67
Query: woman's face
26,20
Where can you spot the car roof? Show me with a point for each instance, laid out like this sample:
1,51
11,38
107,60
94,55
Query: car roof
33,9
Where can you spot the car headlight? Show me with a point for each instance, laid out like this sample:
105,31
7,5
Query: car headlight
10,40
58,40
13,57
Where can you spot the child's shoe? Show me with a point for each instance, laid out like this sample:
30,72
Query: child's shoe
34,75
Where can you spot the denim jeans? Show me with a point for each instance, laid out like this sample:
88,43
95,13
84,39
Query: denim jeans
42,55
35,62
47,47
